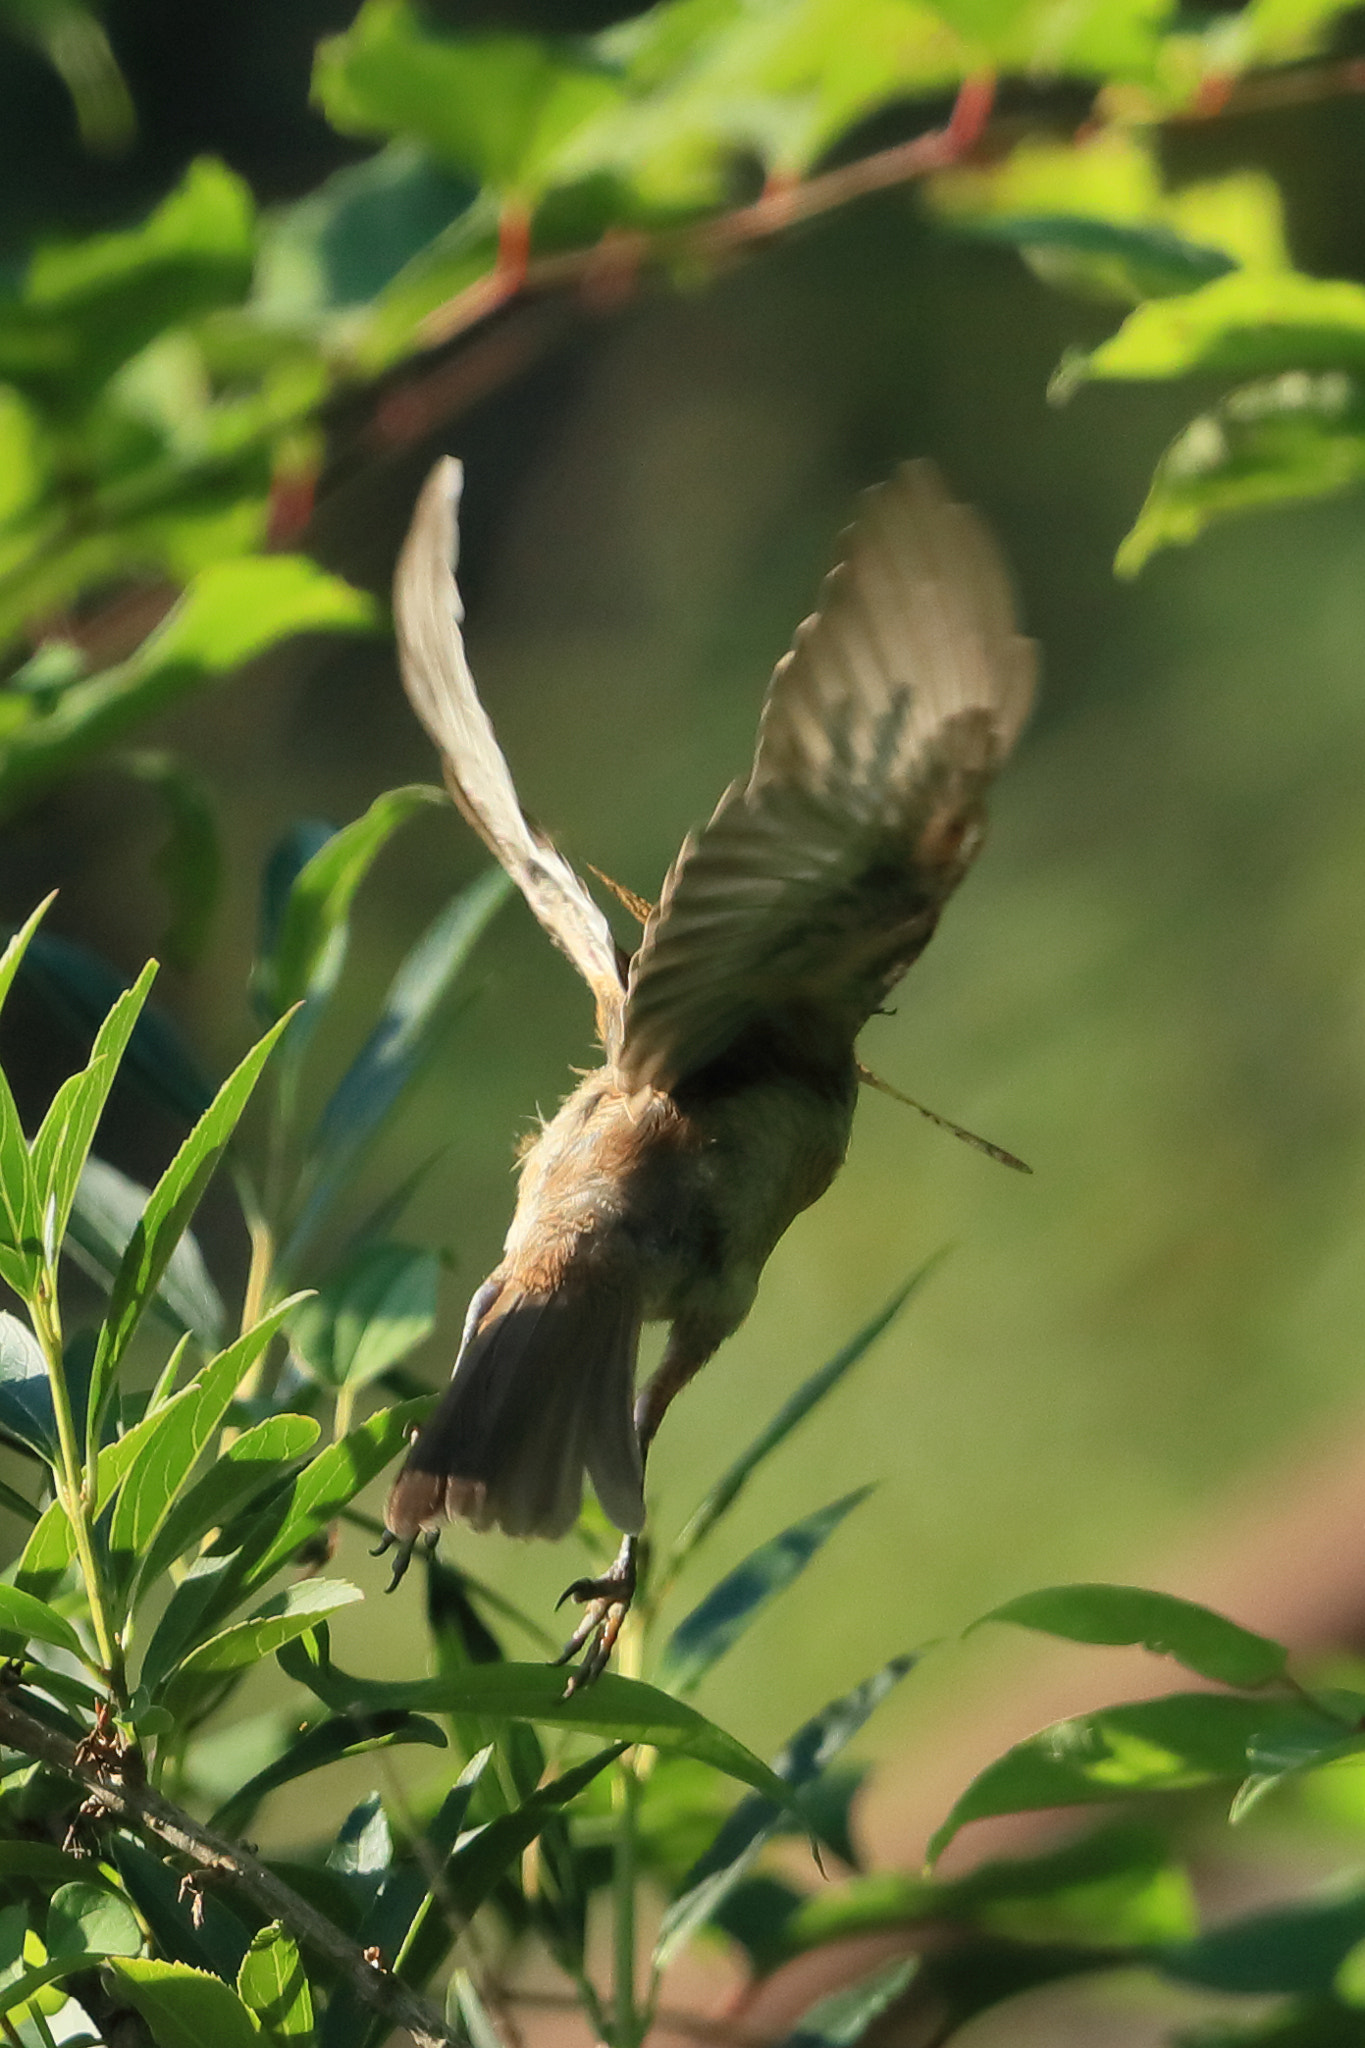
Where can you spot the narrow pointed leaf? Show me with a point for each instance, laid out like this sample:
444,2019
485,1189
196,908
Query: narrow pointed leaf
1169,1627
273,1984
258,1458
328,1743
167,1215
332,1481
845,2016
754,1821
21,1215
731,1484
311,940
620,1709
80,987
35,1621
1160,1745
716,1624
408,1897
182,1432
381,1308
291,1613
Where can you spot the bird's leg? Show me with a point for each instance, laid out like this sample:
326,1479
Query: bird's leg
607,1599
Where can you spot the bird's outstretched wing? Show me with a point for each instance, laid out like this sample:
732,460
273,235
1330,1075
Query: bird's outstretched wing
428,614
784,921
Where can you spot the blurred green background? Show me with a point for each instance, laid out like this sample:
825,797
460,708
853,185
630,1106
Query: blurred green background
1151,987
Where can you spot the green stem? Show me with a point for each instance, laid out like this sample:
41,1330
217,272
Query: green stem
626,2029
73,1483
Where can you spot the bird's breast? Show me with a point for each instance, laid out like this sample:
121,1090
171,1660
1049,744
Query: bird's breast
683,1200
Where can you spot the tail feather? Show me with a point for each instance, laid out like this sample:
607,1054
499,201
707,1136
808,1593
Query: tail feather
541,1393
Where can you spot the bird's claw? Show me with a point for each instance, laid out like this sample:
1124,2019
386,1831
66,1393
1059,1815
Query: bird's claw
607,1603
404,1546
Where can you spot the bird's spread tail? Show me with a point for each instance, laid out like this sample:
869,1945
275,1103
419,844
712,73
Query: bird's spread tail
542,1392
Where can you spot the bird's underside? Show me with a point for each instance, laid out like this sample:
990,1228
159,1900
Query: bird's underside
726,1098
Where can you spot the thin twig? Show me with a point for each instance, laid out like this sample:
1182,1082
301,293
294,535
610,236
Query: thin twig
152,1814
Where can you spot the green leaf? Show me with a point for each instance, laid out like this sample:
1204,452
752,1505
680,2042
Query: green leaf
291,1613
1297,1949
500,107
231,612
754,1821
1251,324
96,301
396,1050
408,1920
716,1624
731,1484
217,1943
1290,438
620,1709
34,1620
182,1431
328,1743
1169,1627
21,1217
25,1392
1116,1886
1162,1745
68,1130
479,1863
167,1215
273,1985
332,1482
91,1919
107,1210
186,2008
381,1308
845,2016
312,939
260,1457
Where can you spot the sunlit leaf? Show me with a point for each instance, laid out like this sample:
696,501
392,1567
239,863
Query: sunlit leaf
64,1138
1161,1745
1292,437
232,611
289,1614
498,106
842,2018
35,1621
618,1708
91,1919
173,1202
25,1391
272,1983
185,2008
1169,1627
1297,1949
259,1458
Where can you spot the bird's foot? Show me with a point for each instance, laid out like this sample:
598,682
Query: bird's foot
607,1602
404,1545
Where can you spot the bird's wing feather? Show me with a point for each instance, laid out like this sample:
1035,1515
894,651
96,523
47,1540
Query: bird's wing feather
428,614
818,880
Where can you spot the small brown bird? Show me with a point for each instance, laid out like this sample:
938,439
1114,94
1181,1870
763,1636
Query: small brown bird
724,1106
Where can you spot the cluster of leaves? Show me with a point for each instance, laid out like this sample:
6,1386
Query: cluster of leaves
180,1550
161,387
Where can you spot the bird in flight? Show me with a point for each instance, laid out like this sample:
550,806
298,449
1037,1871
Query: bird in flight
725,1099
